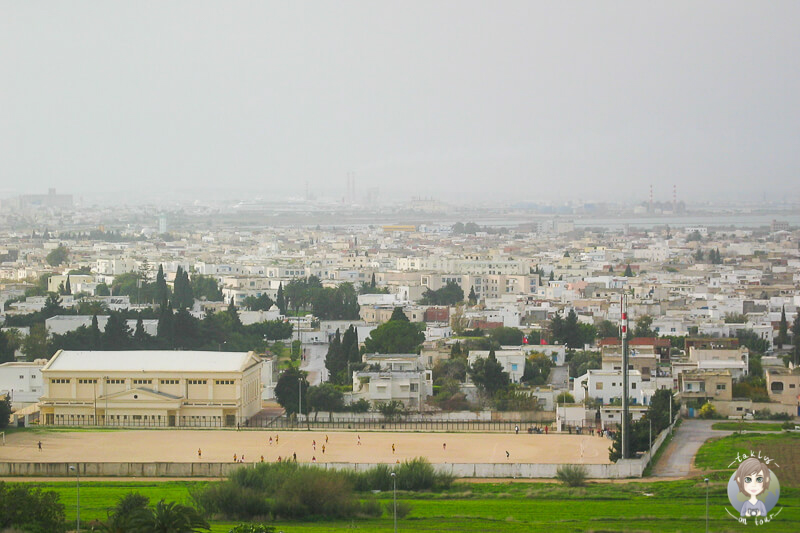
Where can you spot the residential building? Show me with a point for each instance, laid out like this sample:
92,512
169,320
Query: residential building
513,361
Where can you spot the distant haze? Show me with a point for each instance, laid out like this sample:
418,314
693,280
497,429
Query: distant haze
455,100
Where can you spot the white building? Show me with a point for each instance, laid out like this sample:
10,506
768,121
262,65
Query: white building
22,381
513,361
606,385
400,378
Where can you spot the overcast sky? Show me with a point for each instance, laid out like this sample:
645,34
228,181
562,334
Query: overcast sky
455,100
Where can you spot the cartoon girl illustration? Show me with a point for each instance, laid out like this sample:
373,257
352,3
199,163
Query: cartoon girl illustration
752,477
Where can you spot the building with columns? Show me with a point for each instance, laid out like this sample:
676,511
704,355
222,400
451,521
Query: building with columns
151,388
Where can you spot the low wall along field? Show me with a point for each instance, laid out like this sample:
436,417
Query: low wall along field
175,452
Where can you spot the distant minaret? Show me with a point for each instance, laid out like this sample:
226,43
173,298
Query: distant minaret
674,198
650,209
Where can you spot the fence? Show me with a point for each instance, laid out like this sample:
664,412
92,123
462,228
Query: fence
478,426
620,469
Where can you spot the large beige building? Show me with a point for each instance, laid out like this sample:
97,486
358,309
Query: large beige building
151,388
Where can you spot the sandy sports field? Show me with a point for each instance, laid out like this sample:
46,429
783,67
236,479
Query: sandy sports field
181,446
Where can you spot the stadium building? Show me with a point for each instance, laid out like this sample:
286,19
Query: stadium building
151,388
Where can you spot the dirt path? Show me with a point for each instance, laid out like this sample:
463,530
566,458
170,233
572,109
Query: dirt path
678,459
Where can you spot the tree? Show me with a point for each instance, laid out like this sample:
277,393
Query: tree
628,271
58,256
24,507
571,332
162,292
234,315
557,329
335,361
472,298
123,516
287,389
537,369
783,330
5,412
102,290
10,341
68,286
117,335
280,299
643,328
694,236
450,294
488,375
141,339
258,303
506,336
94,334
565,397
458,321
35,344
206,288
395,336
325,397
52,305
398,314
169,518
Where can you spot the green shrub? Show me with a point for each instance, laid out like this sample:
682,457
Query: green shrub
572,475
315,492
371,508
252,528
232,501
403,509
30,509
766,414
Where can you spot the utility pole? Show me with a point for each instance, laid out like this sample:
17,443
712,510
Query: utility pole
624,334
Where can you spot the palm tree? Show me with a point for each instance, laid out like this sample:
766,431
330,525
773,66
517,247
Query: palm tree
169,518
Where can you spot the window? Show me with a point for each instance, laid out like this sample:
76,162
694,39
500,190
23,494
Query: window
142,381
115,381
60,380
598,385
224,382
169,381
414,387
791,385
777,387
513,367
633,385
720,386
87,381
196,381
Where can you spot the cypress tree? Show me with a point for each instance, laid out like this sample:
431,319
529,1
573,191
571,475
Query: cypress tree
68,286
161,287
280,300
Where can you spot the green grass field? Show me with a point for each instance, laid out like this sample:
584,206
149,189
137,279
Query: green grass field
659,506
784,448
747,426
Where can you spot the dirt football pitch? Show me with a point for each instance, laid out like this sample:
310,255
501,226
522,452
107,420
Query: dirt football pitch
216,446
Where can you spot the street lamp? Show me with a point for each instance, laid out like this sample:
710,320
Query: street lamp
394,499
706,480
78,481
650,438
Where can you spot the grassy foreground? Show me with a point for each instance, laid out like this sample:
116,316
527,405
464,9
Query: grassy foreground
747,426
784,448
658,506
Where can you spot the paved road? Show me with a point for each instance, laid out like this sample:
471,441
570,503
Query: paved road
678,458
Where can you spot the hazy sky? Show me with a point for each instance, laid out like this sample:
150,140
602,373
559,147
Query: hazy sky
451,99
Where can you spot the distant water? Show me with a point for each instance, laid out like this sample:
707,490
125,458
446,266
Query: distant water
745,220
